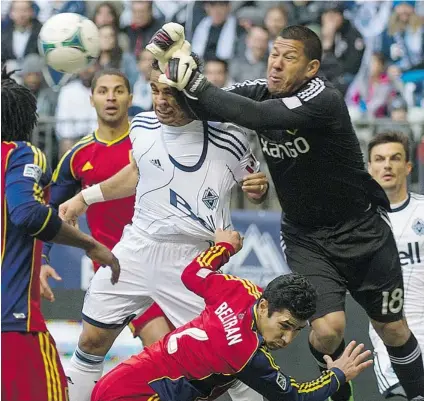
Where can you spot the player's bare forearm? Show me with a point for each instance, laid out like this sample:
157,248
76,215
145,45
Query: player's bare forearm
71,236
122,184
210,261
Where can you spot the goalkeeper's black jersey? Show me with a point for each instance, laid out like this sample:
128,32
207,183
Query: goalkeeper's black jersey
310,146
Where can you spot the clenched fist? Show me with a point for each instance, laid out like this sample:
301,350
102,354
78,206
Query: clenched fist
166,41
230,237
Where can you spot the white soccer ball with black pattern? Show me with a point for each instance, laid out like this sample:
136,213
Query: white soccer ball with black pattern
69,42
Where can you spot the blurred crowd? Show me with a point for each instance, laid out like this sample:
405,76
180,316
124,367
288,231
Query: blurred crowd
373,51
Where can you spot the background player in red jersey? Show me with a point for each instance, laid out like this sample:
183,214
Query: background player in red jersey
229,340
93,159
31,369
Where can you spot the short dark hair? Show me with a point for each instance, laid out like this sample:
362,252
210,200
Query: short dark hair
390,137
311,42
110,71
18,109
292,292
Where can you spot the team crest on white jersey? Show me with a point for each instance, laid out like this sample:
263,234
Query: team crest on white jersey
418,227
210,198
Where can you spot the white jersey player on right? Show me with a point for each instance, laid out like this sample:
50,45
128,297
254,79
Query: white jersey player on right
182,173
389,164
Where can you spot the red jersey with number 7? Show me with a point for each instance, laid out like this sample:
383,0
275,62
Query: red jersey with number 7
211,351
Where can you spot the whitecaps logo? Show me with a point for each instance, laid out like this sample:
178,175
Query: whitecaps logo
260,259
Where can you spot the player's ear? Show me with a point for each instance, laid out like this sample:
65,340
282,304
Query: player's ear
313,67
91,101
409,166
130,100
263,306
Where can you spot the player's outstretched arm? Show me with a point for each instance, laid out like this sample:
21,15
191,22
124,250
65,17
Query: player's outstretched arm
25,201
197,274
68,235
264,376
278,113
121,185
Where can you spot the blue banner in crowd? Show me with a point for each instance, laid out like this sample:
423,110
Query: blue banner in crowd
260,260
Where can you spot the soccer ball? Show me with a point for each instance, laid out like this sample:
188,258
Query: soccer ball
69,42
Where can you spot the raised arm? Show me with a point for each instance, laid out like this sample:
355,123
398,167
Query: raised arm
202,271
306,108
282,113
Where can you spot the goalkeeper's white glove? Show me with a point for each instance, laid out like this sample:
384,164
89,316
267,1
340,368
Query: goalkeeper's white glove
166,41
181,73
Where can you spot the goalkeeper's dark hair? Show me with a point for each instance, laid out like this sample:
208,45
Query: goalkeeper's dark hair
18,109
196,58
292,292
312,46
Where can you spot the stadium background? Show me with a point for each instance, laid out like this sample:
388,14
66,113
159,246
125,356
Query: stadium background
373,57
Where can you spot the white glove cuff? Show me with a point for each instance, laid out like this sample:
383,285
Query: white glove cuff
92,194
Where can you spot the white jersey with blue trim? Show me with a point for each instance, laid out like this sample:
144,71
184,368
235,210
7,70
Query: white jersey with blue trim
408,227
186,176
407,220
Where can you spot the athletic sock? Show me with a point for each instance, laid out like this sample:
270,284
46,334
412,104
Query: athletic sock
83,373
407,362
241,392
344,392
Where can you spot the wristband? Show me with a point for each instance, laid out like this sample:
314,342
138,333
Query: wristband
92,194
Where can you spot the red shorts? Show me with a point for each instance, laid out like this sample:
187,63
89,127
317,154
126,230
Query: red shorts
152,313
124,383
31,369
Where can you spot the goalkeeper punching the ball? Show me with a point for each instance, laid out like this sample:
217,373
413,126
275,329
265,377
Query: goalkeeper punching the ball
335,228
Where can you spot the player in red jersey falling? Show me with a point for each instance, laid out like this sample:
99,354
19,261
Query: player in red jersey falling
230,340
31,368
96,157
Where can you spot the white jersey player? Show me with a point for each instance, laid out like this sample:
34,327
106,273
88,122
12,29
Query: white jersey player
389,165
186,200
179,205
182,173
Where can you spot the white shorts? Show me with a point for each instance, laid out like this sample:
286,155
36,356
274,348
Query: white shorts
150,271
388,383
